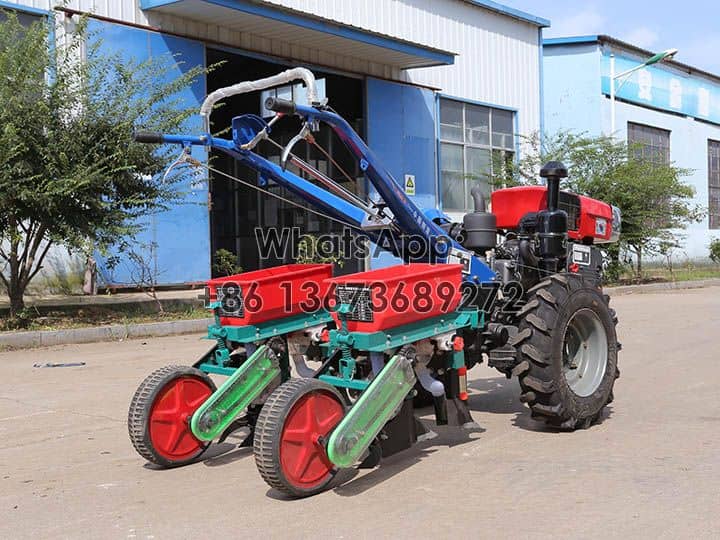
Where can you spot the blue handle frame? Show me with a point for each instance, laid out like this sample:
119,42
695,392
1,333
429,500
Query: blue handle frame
411,220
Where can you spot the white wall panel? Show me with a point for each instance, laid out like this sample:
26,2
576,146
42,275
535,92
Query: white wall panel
497,58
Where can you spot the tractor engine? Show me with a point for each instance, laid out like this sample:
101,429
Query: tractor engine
544,230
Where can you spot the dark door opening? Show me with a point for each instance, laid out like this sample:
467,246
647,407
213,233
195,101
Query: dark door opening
237,210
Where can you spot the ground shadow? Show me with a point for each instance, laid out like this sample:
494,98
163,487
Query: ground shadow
342,476
526,422
214,452
499,395
227,456
393,465
233,449
350,482
496,395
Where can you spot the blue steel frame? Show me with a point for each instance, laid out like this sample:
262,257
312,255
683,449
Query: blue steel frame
411,220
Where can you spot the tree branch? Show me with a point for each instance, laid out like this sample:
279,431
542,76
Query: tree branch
39,263
12,259
29,240
28,271
5,282
26,244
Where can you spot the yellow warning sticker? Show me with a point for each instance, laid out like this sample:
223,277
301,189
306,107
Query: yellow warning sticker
410,184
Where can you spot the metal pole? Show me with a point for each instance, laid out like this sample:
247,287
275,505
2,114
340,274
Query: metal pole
612,95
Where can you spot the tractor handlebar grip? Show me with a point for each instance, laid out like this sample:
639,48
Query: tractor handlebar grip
151,137
280,105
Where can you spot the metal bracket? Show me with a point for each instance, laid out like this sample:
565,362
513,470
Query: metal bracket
261,135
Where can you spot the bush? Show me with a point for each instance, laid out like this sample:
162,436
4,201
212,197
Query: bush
312,251
715,250
225,263
18,321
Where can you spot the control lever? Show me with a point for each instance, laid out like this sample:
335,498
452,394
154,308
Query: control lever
304,132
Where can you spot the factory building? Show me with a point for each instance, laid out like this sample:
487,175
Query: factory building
437,88
668,111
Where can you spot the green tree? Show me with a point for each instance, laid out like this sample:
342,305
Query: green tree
715,250
225,263
313,250
70,173
654,200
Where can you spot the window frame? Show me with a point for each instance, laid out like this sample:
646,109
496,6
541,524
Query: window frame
28,10
512,151
648,130
713,217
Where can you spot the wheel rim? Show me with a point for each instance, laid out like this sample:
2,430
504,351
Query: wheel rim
584,352
170,415
302,452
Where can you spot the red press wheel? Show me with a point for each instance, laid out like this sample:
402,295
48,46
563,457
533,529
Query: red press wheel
290,433
160,412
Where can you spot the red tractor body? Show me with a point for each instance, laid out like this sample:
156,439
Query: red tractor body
588,219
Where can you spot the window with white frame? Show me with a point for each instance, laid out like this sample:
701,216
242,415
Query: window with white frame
474,140
714,184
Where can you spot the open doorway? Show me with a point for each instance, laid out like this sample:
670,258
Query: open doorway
236,210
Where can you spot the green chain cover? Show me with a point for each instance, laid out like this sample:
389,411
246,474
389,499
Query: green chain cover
375,407
235,394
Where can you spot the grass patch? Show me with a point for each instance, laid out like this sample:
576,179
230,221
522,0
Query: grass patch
662,274
99,316
684,274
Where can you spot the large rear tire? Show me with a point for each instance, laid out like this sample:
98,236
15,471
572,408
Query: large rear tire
567,351
290,436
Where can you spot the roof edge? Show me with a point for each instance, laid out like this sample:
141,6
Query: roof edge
316,23
603,39
511,12
570,40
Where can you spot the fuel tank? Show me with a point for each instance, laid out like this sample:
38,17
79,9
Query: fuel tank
587,218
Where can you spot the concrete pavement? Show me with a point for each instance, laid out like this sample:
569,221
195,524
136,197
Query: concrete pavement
651,469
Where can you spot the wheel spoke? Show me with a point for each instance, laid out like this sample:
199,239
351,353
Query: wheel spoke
302,462
171,439
164,416
295,436
196,402
178,394
329,422
181,434
310,414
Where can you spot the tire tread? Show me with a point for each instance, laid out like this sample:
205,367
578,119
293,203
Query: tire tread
141,403
537,322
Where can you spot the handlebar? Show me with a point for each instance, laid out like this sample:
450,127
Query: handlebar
151,137
251,86
280,105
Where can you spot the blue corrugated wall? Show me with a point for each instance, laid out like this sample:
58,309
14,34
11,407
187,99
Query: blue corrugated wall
401,132
182,233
